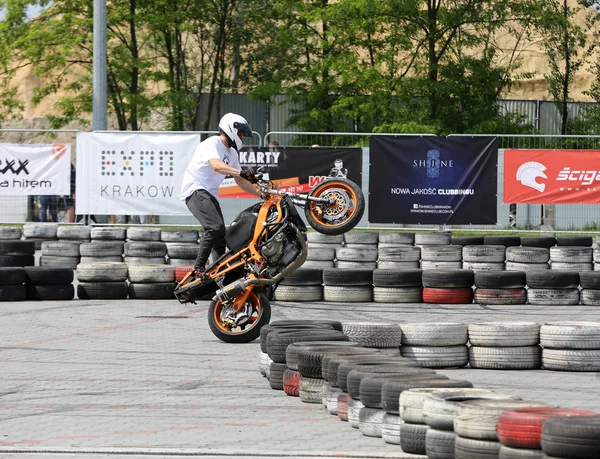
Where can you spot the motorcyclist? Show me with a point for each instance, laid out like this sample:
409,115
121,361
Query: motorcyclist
213,160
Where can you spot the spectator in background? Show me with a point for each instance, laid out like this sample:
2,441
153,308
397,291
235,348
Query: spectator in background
49,206
273,143
70,200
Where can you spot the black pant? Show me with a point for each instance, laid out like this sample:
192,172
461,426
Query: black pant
207,211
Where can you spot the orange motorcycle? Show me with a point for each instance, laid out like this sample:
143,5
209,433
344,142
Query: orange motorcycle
266,243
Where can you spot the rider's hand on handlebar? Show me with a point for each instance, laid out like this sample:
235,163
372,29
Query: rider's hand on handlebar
248,175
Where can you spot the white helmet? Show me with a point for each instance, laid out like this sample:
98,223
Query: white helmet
234,127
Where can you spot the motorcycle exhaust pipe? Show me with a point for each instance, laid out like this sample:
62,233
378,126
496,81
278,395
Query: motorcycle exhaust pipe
230,291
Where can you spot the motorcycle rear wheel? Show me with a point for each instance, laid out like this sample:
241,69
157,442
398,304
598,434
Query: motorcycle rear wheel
341,216
261,310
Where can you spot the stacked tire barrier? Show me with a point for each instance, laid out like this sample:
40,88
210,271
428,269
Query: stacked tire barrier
389,397
572,253
305,285
151,282
436,345
439,408
505,346
49,283
397,286
590,288
520,430
573,346
448,286
348,285
107,246
527,258
143,246
397,251
182,246
17,253
484,257
12,284
321,250
475,424
553,287
102,280
359,252
40,232
62,254
10,233
441,256
500,287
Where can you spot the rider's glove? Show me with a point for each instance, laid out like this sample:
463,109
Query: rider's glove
248,175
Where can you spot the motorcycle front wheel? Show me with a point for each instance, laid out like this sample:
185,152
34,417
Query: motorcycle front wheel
259,314
342,214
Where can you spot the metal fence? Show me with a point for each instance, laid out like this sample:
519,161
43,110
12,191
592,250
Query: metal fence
528,216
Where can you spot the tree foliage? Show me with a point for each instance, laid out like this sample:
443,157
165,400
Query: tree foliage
360,65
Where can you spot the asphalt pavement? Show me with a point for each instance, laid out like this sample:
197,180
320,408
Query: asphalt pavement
135,378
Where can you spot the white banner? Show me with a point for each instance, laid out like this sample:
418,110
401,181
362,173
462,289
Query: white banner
35,169
128,173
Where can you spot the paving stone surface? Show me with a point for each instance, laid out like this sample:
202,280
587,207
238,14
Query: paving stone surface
140,378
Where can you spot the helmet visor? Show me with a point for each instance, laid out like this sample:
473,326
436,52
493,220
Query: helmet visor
244,130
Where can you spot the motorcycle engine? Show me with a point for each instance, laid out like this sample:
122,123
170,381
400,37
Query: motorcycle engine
273,250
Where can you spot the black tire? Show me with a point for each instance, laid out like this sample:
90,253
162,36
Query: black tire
17,247
347,277
245,336
304,276
346,223
467,240
294,325
155,291
467,448
590,279
451,278
351,374
17,260
572,437
326,348
145,249
391,390
520,453
500,279
12,276
278,340
47,275
544,242
412,438
310,358
334,324
506,241
276,371
101,249
575,241
13,292
439,444
552,279
102,290
50,292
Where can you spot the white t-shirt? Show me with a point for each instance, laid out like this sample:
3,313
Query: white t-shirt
199,175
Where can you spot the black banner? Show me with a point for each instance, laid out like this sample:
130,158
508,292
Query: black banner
298,169
433,180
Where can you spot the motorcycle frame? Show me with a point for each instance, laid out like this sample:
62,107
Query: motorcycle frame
220,268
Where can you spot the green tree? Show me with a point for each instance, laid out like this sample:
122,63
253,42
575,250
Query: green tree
567,50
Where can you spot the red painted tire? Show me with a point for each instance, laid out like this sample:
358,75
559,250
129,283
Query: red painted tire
291,381
522,427
343,399
447,295
181,272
